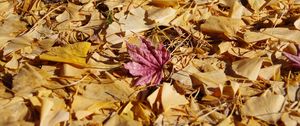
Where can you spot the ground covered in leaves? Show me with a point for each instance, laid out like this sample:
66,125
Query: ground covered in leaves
149,62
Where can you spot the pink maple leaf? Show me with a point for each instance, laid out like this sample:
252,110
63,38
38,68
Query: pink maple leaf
147,62
294,58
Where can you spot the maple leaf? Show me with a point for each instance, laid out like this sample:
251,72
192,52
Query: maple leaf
147,62
294,58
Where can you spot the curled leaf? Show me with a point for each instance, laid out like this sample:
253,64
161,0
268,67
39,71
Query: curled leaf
147,62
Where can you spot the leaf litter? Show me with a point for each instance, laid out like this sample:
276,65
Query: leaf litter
149,62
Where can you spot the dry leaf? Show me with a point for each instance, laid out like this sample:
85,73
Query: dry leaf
137,16
237,9
248,68
51,118
256,4
250,37
72,71
242,52
162,16
284,34
28,79
297,24
287,120
12,111
183,76
269,72
222,25
213,79
122,120
73,54
166,97
267,107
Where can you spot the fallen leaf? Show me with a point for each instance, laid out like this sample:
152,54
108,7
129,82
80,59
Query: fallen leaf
212,79
287,120
283,33
270,72
122,120
28,79
236,10
162,16
72,71
137,16
256,4
147,63
248,68
51,118
12,110
73,53
250,37
267,107
222,25
297,24
166,97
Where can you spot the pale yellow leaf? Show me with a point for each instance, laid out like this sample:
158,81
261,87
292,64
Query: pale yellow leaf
284,34
292,92
269,72
256,4
250,37
267,107
13,63
236,10
248,68
183,76
72,71
28,79
166,97
152,99
12,110
222,25
242,52
170,98
97,61
162,16
227,122
297,24
49,117
121,120
213,79
287,120
17,44
224,47
82,114
134,22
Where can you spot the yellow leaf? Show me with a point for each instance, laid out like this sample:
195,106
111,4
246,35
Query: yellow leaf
283,34
248,67
28,79
270,72
122,120
73,54
167,97
48,116
267,107
223,25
